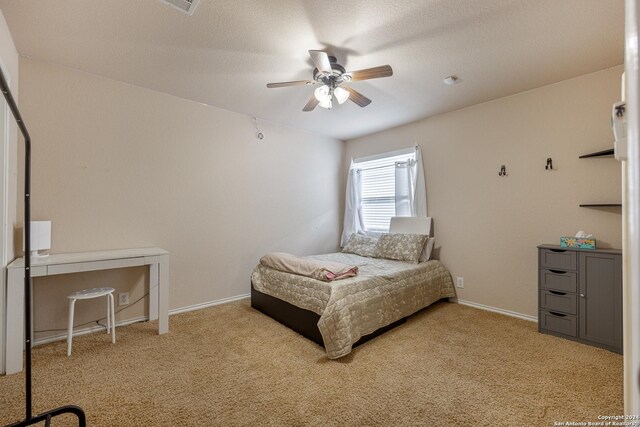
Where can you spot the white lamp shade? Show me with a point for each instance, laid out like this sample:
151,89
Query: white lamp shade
40,235
322,93
341,95
326,103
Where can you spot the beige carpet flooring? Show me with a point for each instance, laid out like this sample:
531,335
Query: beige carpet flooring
230,365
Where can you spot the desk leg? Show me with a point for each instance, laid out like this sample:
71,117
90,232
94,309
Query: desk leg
153,291
163,294
33,323
15,320
3,326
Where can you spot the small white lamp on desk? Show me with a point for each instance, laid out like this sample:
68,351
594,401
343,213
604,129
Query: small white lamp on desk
40,238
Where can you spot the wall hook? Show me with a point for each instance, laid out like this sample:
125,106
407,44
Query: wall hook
549,165
503,171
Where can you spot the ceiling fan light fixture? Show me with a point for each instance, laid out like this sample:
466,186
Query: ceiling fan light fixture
326,103
329,75
341,95
323,93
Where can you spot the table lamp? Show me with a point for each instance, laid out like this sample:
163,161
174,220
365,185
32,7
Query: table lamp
40,238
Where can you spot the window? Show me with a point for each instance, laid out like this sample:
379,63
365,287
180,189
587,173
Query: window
384,191
381,187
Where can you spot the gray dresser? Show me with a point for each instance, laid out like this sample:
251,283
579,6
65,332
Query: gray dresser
580,295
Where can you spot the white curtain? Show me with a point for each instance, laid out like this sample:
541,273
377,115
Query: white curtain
353,222
411,189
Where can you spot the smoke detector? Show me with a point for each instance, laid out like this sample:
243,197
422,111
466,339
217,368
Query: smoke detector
186,6
451,80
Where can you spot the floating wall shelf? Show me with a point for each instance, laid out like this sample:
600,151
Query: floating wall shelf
598,154
603,153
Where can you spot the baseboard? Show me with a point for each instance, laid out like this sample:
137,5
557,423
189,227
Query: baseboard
202,305
495,310
96,328
84,331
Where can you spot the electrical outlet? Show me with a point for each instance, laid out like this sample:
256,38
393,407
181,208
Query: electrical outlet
123,298
460,282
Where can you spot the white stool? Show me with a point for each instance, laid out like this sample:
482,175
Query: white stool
87,294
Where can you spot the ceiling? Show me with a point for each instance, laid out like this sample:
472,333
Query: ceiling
226,53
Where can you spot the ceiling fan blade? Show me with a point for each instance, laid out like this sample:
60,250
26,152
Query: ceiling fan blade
294,83
358,98
321,59
371,73
311,104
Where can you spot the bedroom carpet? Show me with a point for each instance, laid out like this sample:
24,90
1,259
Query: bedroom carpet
229,365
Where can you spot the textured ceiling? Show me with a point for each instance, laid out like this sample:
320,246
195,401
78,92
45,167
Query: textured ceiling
228,50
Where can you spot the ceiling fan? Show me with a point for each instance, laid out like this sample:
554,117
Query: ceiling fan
330,76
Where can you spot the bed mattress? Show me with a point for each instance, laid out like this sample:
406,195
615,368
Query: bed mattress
383,292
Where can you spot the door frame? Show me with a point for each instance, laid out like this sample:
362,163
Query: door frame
5,136
631,215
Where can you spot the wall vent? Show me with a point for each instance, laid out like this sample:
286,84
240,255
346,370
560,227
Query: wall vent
186,6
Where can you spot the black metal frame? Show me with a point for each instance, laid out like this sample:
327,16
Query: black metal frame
69,409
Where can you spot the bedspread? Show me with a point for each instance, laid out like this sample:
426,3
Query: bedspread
383,292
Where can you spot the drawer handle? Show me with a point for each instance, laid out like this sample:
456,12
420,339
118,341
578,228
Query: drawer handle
558,250
558,271
558,314
558,293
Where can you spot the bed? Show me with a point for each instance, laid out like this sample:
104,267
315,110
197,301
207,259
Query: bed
342,314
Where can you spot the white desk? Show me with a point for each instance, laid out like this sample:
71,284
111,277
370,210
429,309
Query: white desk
157,259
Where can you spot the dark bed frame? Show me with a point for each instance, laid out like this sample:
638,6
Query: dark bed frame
304,322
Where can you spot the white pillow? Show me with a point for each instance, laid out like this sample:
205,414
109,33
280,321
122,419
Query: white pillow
426,250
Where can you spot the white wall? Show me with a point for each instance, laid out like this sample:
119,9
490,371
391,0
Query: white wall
9,61
487,227
117,166
120,166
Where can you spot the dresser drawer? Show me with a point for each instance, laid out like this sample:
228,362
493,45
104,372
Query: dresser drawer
558,322
558,259
559,280
558,301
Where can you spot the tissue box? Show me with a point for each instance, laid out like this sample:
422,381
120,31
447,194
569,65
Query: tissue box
577,242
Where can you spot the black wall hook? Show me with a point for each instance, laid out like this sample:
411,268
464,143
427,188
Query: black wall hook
549,165
503,171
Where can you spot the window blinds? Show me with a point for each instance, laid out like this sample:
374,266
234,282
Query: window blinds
378,191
